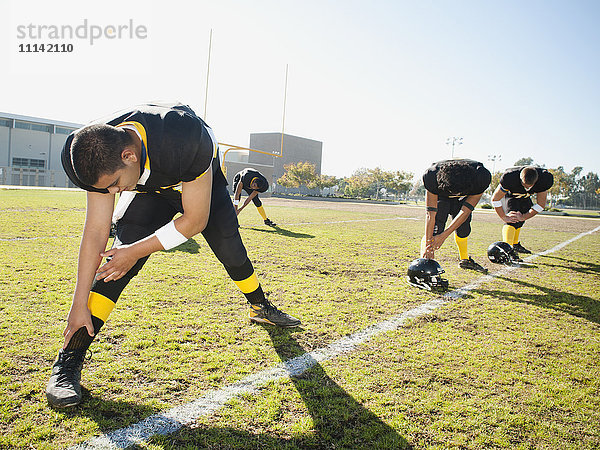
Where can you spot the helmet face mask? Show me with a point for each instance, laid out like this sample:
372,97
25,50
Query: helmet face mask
501,253
425,274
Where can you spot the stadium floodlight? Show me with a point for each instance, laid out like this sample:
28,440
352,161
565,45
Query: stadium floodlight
494,158
452,141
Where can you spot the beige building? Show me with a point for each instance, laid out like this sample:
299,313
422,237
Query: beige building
295,149
30,150
30,153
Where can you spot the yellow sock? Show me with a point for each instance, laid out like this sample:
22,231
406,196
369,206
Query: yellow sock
100,306
517,232
248,285
262,212
508,234
461,243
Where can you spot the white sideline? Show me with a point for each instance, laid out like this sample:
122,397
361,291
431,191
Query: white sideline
349,221
173,419
286,224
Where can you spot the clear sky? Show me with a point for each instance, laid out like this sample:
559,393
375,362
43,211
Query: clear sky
380,83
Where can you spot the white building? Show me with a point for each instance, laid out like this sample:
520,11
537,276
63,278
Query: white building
30,150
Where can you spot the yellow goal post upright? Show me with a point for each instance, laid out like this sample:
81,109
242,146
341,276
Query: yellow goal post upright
239,148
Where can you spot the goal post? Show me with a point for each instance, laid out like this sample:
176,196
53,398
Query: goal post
239,148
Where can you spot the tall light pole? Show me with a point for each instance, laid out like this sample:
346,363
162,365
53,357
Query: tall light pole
494,158
207,73
452,141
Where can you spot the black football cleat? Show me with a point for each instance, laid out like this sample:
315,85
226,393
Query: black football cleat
515,258
266,312
471,265
270,223
64,388
520,249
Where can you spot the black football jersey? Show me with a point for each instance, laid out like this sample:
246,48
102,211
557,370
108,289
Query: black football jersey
510,182
481,176
177,146
247,175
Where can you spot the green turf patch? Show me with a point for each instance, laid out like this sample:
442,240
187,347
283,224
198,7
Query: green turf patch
513,364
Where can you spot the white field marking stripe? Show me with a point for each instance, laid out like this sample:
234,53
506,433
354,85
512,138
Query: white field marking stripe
287,224
349,221
36,238
173,419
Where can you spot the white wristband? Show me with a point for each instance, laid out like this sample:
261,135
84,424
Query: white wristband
236,202
169,237
537,208
496,203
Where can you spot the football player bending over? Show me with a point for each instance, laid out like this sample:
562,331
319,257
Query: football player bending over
253,182
163,160
516,187
453,187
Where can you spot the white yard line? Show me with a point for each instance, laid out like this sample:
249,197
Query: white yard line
36,238
286,224
349,221
173,419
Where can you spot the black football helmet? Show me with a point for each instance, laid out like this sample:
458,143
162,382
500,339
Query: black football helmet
502,253
425,274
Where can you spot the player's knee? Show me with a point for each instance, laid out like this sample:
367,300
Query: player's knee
128,233
463,232
232,254
241,270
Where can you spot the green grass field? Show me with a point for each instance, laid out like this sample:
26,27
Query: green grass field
514,363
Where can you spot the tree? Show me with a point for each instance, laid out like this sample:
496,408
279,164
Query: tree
324,181
524,161
298,175
561,187
399,182
494,183
359,184
575,189
418,189
372,182
589,185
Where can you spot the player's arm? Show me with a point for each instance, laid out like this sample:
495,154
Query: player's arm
468,206
195,198
248,200
93,242
497,197
238,193
431,201
541,198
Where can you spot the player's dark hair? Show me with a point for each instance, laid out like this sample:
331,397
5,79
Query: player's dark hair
456,177
529,175
96,151
262,184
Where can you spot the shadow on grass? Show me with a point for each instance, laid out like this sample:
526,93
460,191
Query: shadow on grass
282,232
582,266
338,420
108,414
576,305
190,246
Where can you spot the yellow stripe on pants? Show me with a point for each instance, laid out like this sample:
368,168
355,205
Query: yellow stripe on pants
100,306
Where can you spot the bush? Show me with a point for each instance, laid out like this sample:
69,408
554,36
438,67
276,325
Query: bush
486,206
